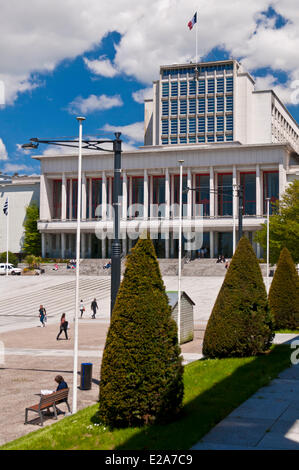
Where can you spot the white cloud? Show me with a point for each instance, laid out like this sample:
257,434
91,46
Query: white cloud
93,103
3,151
140,95
36,35
285,92
16,168
134,132
101,67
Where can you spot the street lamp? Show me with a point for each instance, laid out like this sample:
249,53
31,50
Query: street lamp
180,250
96,144
75,368
268,239
116,252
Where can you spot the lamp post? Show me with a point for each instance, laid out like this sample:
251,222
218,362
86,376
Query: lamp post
268,240
116,248
180,250
91,144
75,367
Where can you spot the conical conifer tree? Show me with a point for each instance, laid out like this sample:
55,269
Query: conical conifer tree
284,293
240,324
141,372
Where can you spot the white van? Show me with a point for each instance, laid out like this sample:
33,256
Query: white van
11,269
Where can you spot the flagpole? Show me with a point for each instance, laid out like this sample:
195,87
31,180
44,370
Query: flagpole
196,49
7,231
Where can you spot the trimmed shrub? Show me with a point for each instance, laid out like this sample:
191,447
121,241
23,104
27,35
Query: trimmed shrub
141,372
240,324
284,293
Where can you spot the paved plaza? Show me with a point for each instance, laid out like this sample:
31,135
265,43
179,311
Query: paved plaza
33,357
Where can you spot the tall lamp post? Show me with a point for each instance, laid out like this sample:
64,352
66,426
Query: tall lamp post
96,145
268,240
75,367
180,250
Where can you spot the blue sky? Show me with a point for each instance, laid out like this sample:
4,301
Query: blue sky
80,58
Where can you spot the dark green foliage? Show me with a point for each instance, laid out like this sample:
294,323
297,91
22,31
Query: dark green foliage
240,324
141,372
284,225
32,237
284,293
12,258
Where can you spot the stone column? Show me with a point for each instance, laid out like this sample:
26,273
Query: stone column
45,194
259,210
130,196
84,198
212,248
212,195
43,245
83,245
90,199
125,196
145,194
189,194
63,245
71,200
63,197
167,194
104,196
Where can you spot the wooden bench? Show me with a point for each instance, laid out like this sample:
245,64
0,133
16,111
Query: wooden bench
47,401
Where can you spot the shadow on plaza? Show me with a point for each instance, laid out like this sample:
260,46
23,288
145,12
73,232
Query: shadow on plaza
211,406
54,371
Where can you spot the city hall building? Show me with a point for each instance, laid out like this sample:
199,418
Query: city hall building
229,136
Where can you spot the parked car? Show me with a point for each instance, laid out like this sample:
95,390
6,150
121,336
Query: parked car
11,269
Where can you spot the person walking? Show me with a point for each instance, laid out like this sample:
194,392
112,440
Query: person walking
63,326
94,307
82,308
42,315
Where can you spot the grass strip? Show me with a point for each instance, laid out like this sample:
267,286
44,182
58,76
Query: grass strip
213,389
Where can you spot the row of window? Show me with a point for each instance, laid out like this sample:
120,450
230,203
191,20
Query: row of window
224,193
198,87
199,106
184,71
192,139
209,124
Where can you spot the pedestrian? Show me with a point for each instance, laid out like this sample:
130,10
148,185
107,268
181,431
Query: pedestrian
82,308
63,326
94,307
61,383
42,315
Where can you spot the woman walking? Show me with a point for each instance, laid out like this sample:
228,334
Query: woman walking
42,315
63,326
82,308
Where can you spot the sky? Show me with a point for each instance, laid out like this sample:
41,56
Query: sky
66,58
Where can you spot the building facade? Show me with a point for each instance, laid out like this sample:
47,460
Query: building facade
21,191
229,136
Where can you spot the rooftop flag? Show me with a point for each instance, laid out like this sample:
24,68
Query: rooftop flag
5,207
193,21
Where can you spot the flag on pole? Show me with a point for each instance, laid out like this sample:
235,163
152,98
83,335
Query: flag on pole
193,21
5,208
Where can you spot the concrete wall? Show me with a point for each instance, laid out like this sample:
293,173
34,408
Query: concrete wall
20,196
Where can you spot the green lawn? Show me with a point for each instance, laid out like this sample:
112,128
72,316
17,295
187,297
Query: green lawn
293,332
213,388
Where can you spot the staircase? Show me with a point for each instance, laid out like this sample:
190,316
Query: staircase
169,267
